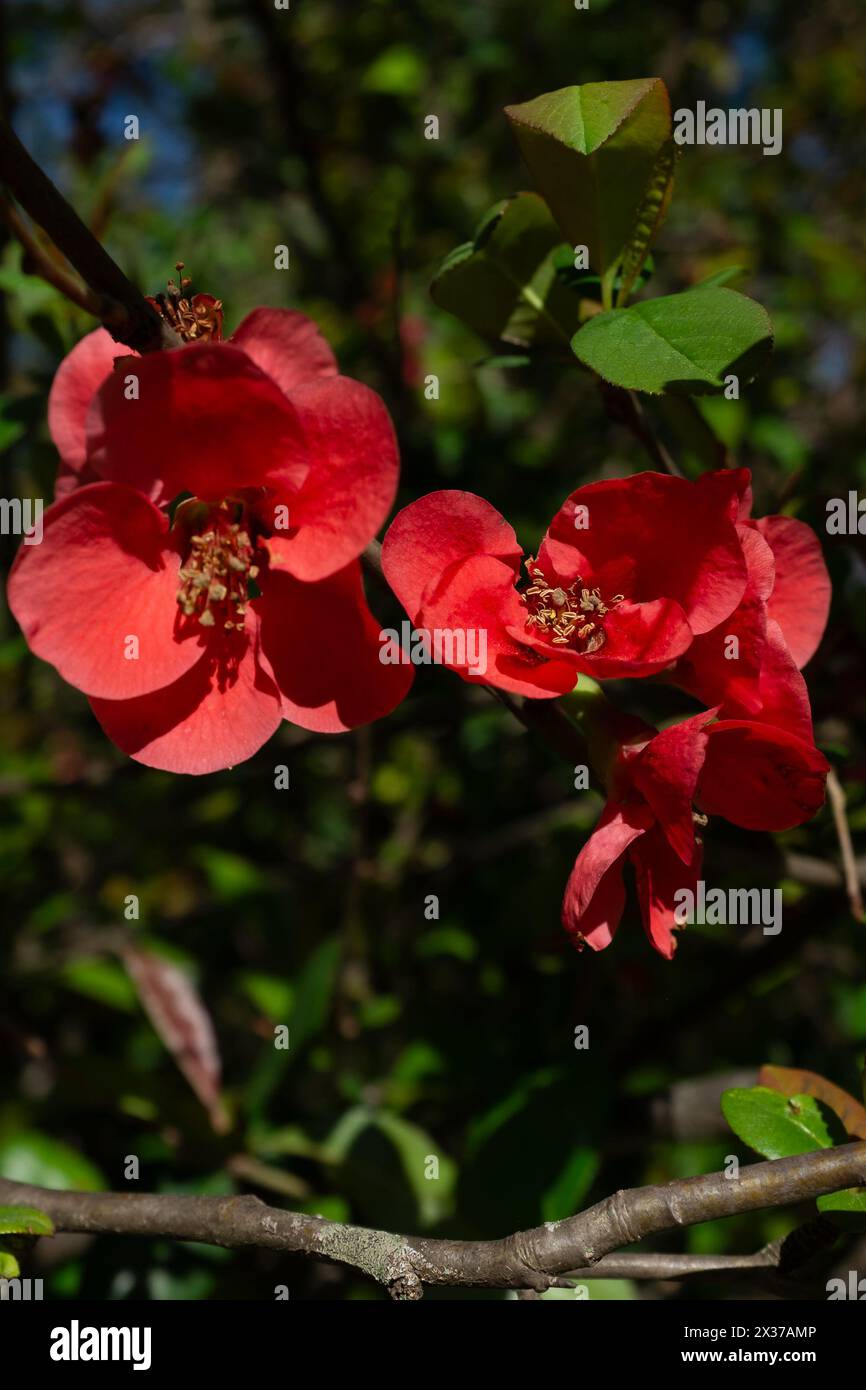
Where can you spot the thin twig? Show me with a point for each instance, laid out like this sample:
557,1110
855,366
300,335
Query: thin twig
625,407
38,262
837,799
788,1256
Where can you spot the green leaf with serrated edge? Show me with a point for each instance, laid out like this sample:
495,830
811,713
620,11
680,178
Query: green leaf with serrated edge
687,343
774,1125
25,1221
504,284
593,152
650,215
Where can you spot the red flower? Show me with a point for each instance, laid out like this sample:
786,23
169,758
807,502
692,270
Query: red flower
750,663
755,775
197,627
629,572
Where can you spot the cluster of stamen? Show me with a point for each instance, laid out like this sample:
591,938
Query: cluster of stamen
571,617
194,318
215,577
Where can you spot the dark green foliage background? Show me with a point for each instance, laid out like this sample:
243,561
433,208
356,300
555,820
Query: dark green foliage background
412,1037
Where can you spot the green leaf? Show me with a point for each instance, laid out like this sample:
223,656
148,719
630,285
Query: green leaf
685,342
271,996
430,1185
313,990
548,1129
9,1266
852,1199
433,1194
398,72
25,1221
722,277
774,1125
504,283
103,980
846,1209
31,1157
595,153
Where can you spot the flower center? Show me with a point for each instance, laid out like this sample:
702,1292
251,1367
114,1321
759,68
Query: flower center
216,574
194,317
572,617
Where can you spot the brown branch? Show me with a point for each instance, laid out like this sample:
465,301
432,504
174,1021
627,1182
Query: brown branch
115,300
786,1257
536,1259
37,261
837,799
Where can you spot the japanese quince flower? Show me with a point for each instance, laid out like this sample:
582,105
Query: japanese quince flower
754,774
750,663
198,577
630,571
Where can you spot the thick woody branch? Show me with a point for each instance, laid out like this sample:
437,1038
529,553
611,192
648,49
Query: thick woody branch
535,1259
112,298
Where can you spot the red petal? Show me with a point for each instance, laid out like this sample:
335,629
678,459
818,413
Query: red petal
760,776
216,716
602,917
206,421
641,639
706,670
477,600
732,488
106,571
352,480
680,537
666,772
779,696
800,601
430,535
594,896
660,874
783,693
78,378
323,646
286,345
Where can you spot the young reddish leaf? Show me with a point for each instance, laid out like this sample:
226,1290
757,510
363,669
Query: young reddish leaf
179,1017
793,1081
